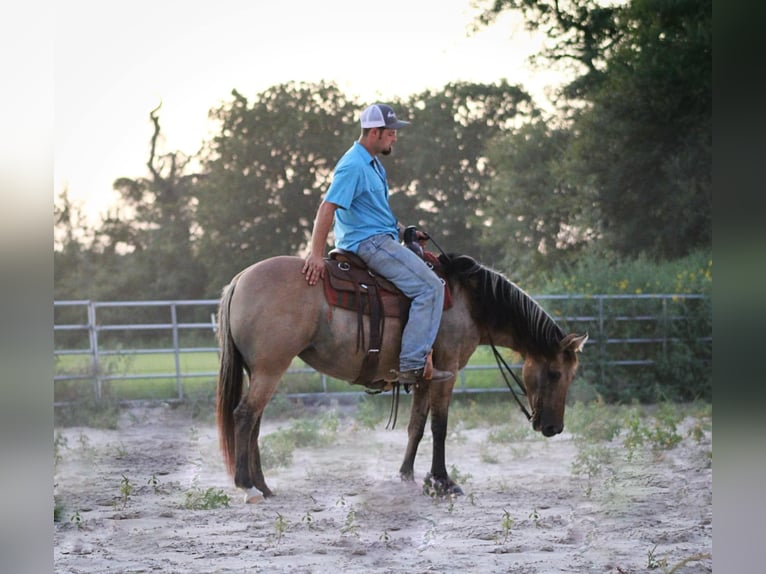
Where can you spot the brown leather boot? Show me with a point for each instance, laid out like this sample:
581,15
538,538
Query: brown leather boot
415,376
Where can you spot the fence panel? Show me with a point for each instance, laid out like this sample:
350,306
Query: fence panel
109,345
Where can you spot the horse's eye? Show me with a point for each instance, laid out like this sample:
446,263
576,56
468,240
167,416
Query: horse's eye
554,376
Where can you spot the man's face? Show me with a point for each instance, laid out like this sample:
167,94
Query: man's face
385,140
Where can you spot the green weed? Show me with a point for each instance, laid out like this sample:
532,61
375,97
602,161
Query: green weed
351,526
590,462
126,489
198,499
507,524
280,526
77,520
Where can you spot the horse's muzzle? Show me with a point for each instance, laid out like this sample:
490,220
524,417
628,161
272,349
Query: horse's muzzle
551,430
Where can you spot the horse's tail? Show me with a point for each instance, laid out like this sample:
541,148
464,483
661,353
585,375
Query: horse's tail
230,377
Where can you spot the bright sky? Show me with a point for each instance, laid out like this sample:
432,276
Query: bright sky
115,61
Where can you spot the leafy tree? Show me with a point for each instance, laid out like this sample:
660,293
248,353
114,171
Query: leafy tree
646,142
266,171
152,233
72,263
582,34
542,218
439,174
643,138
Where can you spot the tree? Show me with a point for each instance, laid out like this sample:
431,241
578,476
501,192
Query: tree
582,33
266,171
643,137
646,142
152,234
542,218
439,174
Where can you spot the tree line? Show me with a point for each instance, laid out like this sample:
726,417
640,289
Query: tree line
622,169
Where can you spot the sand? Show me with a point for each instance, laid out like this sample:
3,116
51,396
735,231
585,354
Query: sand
531,506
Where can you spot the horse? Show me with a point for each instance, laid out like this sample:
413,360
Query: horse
268,314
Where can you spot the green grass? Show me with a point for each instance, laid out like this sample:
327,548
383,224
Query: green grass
159,378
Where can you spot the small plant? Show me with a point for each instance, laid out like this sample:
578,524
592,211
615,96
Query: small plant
589,462
126,489
58,509
486,455
198,499
154,482
697,432
59,443
122,452
385,538
651,560
507,525
509,434
535,516
76,519
636,435
351,526
308,520
369,413
459,477
280,526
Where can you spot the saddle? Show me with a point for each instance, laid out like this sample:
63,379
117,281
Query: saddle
350,284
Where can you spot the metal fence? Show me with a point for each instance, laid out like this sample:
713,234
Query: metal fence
625,330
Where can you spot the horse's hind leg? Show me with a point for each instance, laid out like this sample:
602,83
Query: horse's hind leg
248,474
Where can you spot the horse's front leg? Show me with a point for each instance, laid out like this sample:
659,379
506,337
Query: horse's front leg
438,480
415,429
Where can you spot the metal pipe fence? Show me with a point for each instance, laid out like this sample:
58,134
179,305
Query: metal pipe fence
625,330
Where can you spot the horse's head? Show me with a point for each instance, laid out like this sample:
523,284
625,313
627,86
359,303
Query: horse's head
547,381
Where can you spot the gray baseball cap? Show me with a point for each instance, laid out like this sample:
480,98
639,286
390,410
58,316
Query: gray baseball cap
381,115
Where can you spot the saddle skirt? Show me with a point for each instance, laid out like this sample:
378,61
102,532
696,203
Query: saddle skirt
350,284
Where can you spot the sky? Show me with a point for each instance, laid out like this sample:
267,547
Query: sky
116,61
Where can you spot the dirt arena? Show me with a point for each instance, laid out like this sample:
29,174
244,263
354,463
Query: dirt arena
531,506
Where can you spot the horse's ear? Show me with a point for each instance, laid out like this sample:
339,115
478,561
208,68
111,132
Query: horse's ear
573,342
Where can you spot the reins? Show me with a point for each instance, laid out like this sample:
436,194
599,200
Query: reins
504,367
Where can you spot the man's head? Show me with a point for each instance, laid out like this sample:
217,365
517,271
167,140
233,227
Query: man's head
379,125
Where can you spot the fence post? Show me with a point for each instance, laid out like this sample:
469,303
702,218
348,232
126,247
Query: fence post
665,324
93,341
601,340
176,351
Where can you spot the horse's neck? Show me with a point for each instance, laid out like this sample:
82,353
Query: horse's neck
503,338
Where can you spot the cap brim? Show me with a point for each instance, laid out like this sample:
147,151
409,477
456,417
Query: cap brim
397,125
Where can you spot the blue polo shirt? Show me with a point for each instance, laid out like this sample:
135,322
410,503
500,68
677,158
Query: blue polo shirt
360,190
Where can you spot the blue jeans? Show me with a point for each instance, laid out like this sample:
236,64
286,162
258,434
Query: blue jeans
392,260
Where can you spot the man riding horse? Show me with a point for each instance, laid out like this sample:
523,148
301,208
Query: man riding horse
364,224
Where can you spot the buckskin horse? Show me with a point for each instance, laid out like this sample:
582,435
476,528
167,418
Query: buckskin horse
268,315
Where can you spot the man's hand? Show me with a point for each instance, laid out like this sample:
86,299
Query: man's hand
313,269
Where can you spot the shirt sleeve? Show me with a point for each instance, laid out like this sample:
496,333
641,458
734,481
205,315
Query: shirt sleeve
343,187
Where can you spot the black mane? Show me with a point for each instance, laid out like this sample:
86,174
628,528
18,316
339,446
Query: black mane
498,303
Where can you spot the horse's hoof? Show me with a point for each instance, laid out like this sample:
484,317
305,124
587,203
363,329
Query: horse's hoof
455,490
253,495
441,487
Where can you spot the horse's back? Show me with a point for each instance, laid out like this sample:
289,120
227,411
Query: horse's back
273,309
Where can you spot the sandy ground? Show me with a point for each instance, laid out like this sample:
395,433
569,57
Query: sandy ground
342,508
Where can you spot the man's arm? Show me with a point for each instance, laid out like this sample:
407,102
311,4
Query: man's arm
313,269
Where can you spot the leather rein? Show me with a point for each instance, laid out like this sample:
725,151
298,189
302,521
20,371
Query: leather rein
505,368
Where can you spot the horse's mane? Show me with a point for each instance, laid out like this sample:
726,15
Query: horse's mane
498,303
